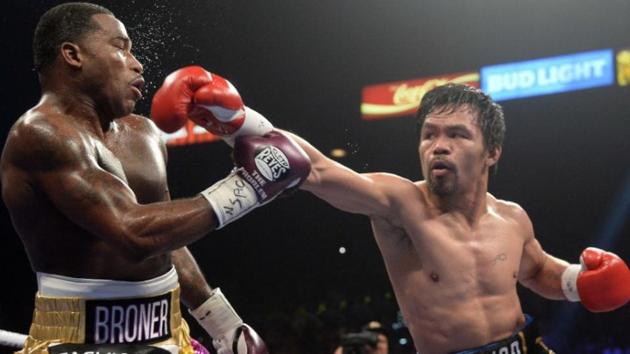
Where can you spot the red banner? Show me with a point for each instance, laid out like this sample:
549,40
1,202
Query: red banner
402,98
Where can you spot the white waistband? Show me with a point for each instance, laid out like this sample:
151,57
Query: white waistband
62,286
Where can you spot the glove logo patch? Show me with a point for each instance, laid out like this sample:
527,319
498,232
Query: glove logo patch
272,163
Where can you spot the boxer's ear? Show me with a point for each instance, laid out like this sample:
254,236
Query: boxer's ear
493,156
71,54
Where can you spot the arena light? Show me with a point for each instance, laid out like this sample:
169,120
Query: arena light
338,153
623,67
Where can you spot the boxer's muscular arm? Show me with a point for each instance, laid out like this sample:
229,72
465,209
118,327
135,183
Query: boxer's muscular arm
345,189
194,288
539,271
57,159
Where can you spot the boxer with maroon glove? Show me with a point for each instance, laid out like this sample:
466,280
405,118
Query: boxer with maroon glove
265,166
601,282
266,162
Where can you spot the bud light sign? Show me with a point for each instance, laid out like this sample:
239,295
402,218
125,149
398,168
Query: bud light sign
549,75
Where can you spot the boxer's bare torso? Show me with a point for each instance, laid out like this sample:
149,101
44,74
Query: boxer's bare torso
45,148
453,252
455,281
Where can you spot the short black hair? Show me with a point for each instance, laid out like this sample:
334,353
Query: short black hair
62,23
451,96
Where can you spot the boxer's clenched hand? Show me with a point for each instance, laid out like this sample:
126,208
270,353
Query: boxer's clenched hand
208,100
601,283
229,334
265,166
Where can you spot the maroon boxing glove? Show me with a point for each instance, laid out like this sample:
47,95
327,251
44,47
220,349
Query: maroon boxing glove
265,166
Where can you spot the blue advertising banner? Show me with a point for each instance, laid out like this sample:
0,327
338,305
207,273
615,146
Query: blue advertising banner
548,75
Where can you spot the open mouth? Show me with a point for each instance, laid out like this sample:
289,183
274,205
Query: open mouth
138,86
441,167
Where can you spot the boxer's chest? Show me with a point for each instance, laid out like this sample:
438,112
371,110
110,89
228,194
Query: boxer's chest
485,258
138,162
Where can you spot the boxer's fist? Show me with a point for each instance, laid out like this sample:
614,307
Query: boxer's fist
218,107
173,102
265,167
229,334
242,340
208,100
271,163
601,283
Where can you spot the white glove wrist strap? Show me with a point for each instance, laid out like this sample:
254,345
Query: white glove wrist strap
217,316
254,124
569,282
230,198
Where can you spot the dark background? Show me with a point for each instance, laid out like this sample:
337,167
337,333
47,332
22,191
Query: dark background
303,63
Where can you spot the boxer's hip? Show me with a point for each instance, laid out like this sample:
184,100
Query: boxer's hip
525,341
106,312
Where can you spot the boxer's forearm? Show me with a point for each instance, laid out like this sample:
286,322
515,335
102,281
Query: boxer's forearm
546,280
194,287
157,228
342,187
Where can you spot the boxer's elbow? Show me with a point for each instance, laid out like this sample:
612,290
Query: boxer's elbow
137,245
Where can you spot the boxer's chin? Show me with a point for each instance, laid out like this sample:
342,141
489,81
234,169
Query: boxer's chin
442,187
125,109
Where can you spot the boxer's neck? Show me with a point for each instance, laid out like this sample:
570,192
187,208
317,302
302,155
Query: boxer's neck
471,202
77,105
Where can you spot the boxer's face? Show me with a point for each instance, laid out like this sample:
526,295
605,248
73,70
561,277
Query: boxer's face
111,72
451,149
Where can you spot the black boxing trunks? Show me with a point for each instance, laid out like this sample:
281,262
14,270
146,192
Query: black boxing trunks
76,315
525,341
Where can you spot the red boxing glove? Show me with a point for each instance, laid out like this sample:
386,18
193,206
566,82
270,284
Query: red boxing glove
174,100
207,99
601,283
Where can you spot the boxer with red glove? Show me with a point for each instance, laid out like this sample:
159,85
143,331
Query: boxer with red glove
263,171
229,334
208,100
601,282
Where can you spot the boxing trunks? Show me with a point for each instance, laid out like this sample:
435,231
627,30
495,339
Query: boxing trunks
525,341
75,315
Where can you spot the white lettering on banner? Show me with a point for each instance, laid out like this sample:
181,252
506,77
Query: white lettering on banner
102,317
129,337
144,323
553,75
513,348
131,323
117,325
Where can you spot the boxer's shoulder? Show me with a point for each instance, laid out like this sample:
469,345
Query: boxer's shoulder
140,131
510,211
392,182
43,139
140,125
